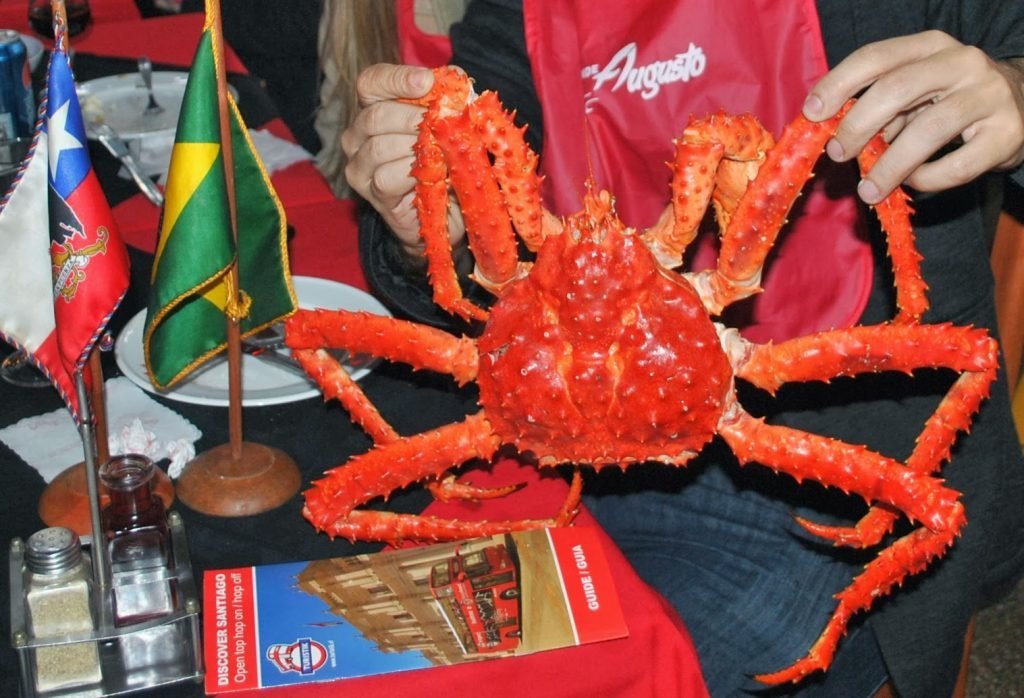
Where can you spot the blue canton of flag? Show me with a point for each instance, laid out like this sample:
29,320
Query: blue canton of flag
89,260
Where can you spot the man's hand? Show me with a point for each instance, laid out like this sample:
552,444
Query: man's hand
924,92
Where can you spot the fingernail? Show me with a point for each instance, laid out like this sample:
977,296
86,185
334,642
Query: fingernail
835,150
813,106
421,80
868,191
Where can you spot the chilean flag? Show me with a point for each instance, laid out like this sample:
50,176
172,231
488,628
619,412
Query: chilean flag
90,262
65,267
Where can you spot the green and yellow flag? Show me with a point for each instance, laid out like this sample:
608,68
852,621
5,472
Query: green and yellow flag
191,284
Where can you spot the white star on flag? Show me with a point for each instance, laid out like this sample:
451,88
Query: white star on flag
60,138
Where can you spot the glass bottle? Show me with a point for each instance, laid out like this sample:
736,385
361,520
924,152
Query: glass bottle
58,597
138,541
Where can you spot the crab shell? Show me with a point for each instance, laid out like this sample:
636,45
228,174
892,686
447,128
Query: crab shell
600,356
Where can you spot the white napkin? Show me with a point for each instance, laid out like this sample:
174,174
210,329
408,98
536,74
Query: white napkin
50,442
154,152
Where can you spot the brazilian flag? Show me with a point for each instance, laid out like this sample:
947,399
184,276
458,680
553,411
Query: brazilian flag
191,293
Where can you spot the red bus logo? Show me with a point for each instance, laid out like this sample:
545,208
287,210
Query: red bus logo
478,594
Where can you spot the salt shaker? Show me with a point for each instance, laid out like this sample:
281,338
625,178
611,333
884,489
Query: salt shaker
138,541
58,597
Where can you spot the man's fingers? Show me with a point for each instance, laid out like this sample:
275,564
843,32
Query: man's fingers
866,65
910,91
391,181
380,119
383,82
953,169
960,115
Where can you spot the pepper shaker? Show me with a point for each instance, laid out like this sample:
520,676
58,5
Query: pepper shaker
58,597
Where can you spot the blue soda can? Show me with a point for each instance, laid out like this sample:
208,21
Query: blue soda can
8,109
16,82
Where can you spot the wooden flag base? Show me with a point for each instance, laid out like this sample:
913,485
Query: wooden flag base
65,501
217,484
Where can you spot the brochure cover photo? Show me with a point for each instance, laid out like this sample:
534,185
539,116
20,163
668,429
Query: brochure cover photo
507,595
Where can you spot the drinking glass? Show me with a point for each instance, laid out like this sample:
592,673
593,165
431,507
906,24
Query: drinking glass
17,370
40,16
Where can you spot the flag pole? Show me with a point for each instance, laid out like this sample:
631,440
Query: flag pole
241,477
234,348
99,406
100,570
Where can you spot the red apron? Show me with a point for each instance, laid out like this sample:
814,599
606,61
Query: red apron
415,46
618,81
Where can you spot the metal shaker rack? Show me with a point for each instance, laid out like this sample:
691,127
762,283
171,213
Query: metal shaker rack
145,655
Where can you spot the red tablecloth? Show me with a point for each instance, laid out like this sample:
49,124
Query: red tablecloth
169,39
658,657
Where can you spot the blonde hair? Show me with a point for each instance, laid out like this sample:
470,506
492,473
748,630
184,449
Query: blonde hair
354,34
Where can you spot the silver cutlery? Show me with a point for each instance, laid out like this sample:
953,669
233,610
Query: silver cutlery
267,343
146,71
109,139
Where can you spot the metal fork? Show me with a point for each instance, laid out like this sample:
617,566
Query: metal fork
266,344
146,71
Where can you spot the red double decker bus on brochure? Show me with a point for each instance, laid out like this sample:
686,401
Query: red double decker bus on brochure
478,595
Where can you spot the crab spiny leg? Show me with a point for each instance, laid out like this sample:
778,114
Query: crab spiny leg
849,467
715,160
909,555
488,228
762,212
894,213
337,384
431,204
868,349
451,92
880,348
330,503
389,527
693,182
854,468
391,466
392,528
876,478
515,166
933,448
419,346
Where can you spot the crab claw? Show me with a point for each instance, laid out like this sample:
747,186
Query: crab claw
448,488
870,530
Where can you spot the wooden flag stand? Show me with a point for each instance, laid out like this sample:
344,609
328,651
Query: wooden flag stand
238,478
65,501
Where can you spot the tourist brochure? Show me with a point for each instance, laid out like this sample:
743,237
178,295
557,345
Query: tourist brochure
411,608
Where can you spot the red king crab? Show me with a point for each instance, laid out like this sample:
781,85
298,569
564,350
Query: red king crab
597,353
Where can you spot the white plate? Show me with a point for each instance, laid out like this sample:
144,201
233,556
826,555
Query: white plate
262,382
119,100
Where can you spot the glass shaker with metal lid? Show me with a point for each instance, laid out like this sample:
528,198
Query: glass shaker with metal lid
59,603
